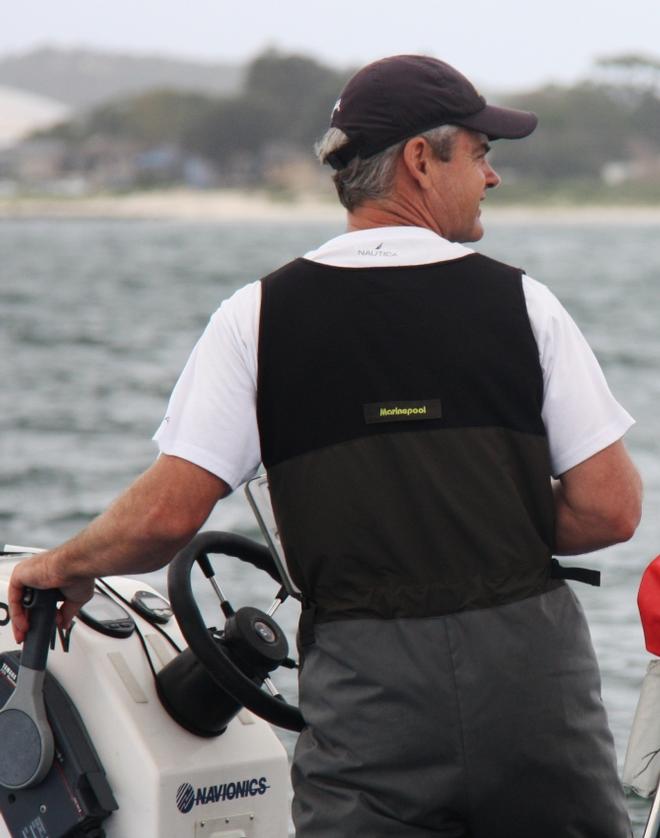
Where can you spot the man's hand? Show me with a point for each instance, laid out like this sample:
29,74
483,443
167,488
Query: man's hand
35,573
140,532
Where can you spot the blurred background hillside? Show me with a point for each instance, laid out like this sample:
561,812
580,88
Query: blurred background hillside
78,122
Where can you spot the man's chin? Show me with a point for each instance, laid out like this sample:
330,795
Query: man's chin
475,233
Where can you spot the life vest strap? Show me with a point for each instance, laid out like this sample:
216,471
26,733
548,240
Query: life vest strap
577,574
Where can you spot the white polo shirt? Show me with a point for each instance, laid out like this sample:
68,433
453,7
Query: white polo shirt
211,418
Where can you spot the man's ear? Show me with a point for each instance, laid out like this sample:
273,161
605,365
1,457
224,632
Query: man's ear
416,158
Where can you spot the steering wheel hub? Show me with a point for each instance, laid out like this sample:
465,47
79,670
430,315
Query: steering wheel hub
254,642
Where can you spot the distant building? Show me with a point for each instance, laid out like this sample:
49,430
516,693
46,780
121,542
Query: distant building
168,164
642,166
285,166
106,163
36,161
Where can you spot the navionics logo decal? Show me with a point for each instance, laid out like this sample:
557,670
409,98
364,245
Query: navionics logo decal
402,411
187,796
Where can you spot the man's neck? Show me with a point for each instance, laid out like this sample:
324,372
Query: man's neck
387,213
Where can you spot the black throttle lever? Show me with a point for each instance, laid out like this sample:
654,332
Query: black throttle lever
26,739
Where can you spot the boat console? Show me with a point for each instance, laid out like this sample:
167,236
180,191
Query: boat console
141,721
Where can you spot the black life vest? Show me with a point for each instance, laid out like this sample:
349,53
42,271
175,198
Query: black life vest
400,421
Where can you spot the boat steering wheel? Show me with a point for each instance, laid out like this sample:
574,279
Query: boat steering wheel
240,657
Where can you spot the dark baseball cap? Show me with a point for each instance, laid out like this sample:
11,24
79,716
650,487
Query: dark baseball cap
405,95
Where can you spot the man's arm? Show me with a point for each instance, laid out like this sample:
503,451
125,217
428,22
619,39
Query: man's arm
597,502
141,531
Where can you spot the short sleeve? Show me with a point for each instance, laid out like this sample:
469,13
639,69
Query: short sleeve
211,417
580,414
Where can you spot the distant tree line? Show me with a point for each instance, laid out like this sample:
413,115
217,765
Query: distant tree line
286,101
615,116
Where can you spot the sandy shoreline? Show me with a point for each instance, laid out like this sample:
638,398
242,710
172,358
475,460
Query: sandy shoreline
181,205
229,205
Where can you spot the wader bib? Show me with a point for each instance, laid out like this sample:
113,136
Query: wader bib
449,683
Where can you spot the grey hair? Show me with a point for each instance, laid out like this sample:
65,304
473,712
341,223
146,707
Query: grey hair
372,178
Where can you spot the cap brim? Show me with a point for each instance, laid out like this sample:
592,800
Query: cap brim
500,123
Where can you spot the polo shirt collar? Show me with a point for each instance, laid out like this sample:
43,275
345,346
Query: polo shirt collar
387,247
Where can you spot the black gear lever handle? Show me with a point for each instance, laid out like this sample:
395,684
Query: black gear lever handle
42,606
27,749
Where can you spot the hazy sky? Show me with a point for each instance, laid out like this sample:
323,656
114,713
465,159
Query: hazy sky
510,44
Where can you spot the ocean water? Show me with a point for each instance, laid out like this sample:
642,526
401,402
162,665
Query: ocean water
97,318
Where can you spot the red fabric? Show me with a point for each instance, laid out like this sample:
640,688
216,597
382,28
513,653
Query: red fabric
648,602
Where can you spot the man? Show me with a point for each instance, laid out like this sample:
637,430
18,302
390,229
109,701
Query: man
411,400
